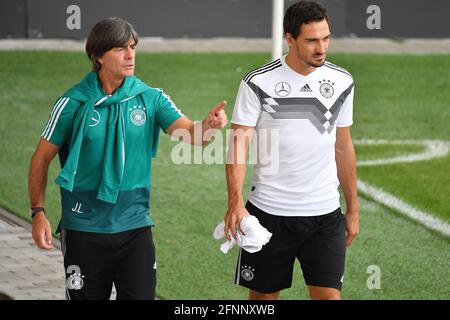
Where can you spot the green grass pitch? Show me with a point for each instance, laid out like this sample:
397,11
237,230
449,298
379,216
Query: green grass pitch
397,98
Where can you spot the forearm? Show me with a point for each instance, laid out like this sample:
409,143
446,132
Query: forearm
235,172
199,132
236,165
235,180
346,169
240,139
37,181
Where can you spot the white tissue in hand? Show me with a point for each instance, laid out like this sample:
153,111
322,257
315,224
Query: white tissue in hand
252,238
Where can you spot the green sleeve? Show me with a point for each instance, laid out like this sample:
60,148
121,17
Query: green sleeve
166,111
59,125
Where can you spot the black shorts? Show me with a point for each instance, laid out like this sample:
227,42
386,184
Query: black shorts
318,243
94,261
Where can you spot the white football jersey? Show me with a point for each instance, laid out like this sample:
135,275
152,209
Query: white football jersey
296,174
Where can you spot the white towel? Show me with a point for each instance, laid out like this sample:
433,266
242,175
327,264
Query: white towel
252,239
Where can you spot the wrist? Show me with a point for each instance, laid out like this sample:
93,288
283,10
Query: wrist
206,125
38,215
352,204
236,203
352,210
37,210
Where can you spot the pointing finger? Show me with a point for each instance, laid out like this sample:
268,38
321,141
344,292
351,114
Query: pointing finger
219,107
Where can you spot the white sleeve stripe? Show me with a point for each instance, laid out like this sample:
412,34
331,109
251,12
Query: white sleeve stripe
172,103
55,119
52,115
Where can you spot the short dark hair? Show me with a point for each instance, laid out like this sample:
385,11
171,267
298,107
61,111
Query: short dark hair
107,34
303,12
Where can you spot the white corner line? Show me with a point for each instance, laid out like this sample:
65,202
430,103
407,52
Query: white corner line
397,204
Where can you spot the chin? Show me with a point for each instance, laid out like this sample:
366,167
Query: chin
317,64
128,73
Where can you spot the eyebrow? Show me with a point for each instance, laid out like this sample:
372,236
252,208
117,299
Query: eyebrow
313,39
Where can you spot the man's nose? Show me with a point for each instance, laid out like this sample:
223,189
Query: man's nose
321,47
129,53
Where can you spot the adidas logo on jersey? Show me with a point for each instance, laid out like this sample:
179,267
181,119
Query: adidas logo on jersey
306,88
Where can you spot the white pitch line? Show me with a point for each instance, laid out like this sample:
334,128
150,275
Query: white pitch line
433,149
399,205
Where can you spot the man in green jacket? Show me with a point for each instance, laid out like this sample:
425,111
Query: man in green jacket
105,130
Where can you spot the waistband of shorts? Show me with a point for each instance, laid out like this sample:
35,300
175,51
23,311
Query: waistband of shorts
252,208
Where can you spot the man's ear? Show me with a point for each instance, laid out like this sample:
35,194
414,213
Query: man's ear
290,39
100,60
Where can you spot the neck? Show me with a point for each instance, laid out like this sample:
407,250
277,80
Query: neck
298,65
108,82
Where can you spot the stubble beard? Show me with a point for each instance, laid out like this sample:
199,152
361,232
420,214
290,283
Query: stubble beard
311,63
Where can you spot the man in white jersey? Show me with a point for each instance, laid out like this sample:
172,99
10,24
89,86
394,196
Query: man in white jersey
310,103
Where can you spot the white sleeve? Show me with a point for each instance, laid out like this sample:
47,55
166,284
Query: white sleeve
345,117
247,107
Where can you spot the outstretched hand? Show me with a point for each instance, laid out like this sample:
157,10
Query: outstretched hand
217,118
